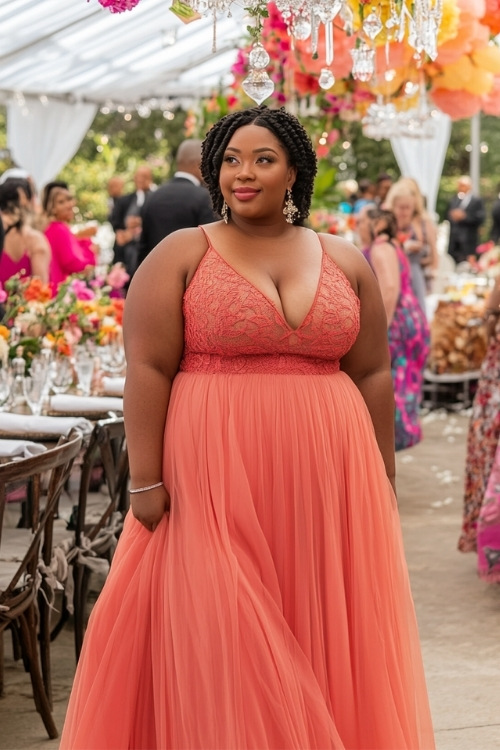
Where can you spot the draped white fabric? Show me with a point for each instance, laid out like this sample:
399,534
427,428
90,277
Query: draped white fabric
42,138
423,158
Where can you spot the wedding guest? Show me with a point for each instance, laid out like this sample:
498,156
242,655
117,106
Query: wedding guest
259,596
382,186
70,254
407,327
25,249
417,234
115,188
495,216
179,203
366,194
349,192
484,430
466,213
126,222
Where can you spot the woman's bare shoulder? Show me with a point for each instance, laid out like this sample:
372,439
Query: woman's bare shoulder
347,256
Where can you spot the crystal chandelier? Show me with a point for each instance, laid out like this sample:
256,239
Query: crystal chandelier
415,21
374,23
383,121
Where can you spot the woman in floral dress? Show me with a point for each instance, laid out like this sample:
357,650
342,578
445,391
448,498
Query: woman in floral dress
481,519
408,331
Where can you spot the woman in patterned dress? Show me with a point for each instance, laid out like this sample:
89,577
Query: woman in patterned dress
482,443
408,331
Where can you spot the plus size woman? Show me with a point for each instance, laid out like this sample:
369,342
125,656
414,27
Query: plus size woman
259,596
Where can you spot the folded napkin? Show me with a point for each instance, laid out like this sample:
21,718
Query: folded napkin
20,448
85,404
113,386
30,424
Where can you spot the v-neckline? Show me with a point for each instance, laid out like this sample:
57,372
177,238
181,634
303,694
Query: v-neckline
269,301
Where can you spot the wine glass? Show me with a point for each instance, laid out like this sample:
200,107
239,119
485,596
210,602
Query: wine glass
5,384
112,357
34,388
84,367
61,374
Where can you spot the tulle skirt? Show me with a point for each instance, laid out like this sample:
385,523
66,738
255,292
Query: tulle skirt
272,607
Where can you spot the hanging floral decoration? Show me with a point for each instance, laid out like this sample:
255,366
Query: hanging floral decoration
118,6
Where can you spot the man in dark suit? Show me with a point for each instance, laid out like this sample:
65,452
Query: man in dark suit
179,203
125,220
466,213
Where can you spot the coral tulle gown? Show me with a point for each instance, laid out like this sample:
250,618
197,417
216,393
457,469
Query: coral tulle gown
272,608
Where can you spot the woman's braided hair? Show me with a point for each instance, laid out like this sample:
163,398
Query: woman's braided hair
292,136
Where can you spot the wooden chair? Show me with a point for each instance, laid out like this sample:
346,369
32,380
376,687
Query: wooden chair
25,556
97,526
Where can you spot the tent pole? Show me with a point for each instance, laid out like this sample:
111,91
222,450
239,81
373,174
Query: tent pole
475,154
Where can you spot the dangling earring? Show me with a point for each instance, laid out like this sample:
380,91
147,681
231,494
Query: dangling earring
290,209
224,212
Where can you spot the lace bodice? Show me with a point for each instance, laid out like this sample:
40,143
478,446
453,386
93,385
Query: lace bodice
231,326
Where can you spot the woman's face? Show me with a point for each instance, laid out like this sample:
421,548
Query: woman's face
255,175
62,206
404,211
364,227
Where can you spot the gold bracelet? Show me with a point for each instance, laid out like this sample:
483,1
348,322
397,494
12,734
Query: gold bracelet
145,489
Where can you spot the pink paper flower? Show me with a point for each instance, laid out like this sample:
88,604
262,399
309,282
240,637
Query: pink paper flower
118,6
117,277
3,294
81,290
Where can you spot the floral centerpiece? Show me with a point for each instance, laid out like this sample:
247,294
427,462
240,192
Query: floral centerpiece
86,309
487,261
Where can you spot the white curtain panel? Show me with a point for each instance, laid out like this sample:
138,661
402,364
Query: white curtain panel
423,158
43,136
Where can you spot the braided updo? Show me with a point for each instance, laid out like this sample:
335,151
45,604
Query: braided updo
290,133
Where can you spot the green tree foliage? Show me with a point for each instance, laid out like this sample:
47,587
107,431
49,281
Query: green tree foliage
118,142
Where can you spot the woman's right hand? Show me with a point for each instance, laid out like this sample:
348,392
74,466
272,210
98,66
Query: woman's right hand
150,507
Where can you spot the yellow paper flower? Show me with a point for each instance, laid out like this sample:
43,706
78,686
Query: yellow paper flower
449,21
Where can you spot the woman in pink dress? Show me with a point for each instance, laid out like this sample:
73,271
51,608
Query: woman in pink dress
69,254
259,596
25,250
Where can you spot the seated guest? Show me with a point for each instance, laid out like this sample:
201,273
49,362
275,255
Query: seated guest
69,253
25,249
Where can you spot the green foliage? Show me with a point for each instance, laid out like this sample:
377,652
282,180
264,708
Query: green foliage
117,143
324,184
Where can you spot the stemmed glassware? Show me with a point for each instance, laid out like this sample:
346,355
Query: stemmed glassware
112,357
5,384
36,384
34,387
84,367
61,373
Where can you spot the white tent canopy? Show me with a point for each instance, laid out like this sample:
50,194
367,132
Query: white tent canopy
76,50
62,59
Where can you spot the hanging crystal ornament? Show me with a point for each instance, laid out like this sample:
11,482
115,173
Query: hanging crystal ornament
363,62
326,79
347,17
257,85
301,28
372,25
258,57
